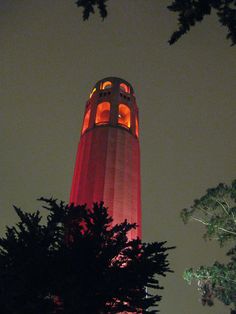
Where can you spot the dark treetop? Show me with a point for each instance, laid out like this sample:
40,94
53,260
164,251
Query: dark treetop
77,263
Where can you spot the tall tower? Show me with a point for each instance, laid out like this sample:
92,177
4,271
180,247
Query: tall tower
107,164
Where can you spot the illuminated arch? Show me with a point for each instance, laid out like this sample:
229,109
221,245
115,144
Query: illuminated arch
86,120
106,85
93,91
124,115
136,127
124,88
103,113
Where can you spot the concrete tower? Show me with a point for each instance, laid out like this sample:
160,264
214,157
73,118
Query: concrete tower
107,164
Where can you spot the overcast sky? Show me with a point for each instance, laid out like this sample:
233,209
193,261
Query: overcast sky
49,62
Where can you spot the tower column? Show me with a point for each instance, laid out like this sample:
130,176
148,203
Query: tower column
107,165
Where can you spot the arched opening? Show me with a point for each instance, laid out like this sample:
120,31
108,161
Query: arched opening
125,88
86,121
124,115
136,127
106,85
93,91
103,113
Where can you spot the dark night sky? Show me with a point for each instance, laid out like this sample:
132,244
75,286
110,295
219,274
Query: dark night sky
49,61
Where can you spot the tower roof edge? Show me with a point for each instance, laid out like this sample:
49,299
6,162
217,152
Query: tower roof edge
115,81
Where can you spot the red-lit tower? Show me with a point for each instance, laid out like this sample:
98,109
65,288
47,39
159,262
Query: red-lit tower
108,158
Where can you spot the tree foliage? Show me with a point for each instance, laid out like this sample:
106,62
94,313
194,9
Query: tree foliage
77,263
89,7
216,210
190,12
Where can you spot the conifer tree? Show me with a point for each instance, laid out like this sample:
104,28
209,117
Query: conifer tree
77,263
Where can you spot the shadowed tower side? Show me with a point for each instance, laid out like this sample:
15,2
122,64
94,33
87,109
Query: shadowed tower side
107,164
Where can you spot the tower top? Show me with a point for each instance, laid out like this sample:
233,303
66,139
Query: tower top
112,81
112,103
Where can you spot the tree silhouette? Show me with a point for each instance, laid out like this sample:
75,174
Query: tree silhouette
189,13
77,263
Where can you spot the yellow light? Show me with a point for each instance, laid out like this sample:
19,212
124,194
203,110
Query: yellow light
93,91
106,85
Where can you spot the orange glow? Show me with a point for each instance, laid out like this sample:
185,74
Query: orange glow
124,88
93,91
136,127
124,115
106,85
86,121
103,113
